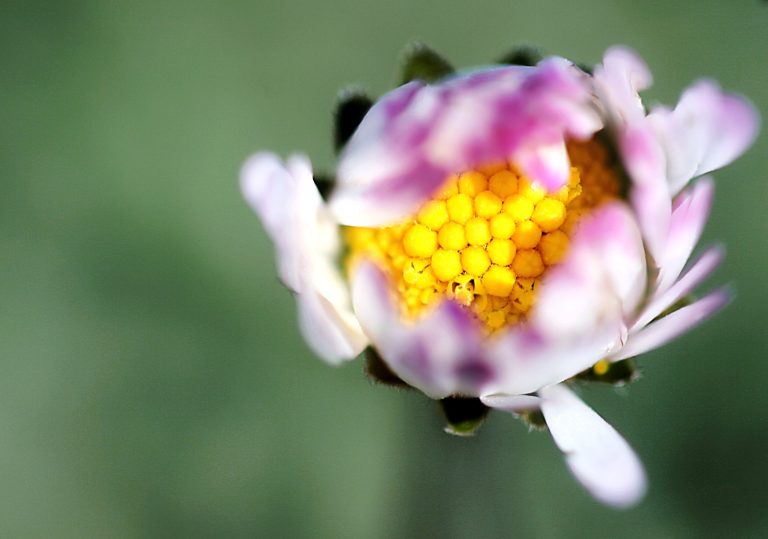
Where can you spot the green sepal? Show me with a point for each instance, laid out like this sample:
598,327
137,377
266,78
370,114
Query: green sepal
351,107
379,372
522,55
421,62
463,414
534,419
324,184
619,373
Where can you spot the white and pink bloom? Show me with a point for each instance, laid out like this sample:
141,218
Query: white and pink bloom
541,265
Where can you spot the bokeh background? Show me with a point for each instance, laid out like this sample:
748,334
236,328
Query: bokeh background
152,379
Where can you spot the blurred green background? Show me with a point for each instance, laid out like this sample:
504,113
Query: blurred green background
153,380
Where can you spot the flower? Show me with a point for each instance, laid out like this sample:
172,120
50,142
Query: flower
499,233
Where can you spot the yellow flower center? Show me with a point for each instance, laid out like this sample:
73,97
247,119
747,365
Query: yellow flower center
487,237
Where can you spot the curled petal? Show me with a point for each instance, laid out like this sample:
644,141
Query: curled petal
673,325
618,80
441,353
595,453
689,215
707,130
417,135
307,244
601,280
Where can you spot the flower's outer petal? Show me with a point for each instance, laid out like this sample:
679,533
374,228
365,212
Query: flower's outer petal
649,195
707,130
526,360
596,454
440,353
269,189
602,278
307,244
699,271
673,325
512,403
689,215
618,80
417,135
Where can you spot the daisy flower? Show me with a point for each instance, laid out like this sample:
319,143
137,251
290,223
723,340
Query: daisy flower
496,234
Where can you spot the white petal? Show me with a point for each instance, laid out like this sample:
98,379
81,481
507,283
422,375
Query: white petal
673,325
689,215
693,277
512,403
596,454
307,244
707,130
618,80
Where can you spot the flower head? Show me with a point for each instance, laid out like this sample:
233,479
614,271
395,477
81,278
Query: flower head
498,233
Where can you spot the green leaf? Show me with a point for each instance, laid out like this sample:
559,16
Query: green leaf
378,371
351,107
463,414
522,55
421,62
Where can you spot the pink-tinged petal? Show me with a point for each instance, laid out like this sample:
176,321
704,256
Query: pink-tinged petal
596,454
601,280
512,403
703,267
645,163
689,215
307,244
618,80
707,130
417,135
673,325
528,361
440,353
270,190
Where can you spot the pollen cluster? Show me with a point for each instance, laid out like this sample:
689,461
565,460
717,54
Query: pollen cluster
487,237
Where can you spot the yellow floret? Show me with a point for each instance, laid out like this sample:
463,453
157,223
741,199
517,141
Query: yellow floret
499,281
433,214
528,263
502,252
530,190
549,214
471,183
460,208
519,207
502,226
419,241
446,264
477,231
503,183
467,246
475,260
527,235
493,168
413,269
449,188
553,246
487,204
452,236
